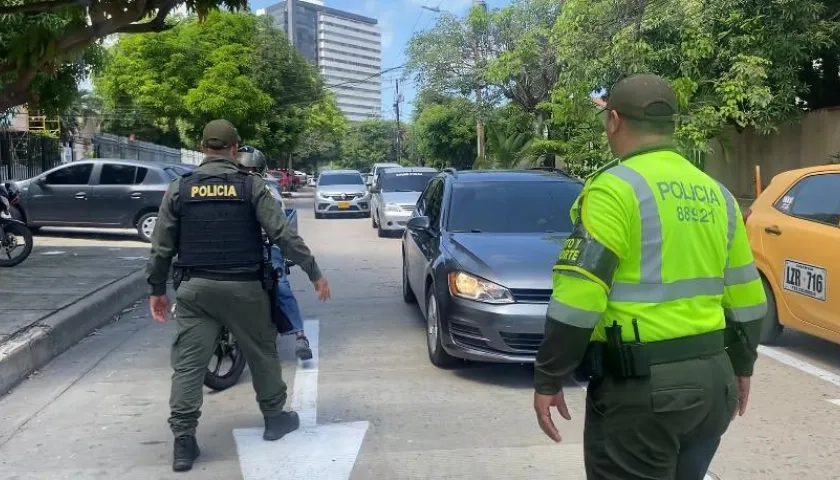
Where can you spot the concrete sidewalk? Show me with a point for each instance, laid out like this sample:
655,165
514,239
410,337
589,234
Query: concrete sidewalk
72,284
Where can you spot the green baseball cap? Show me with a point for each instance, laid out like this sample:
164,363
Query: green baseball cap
220,134
644,97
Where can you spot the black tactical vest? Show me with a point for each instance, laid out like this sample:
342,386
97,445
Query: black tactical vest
218,223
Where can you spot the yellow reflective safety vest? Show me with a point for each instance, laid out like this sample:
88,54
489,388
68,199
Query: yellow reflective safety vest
681,258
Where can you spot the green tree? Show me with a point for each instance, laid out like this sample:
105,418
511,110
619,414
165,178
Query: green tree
46,47
166,87
444,136
323,131
732,62
368,142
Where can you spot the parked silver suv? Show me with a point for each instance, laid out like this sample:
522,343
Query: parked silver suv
341,192
395,192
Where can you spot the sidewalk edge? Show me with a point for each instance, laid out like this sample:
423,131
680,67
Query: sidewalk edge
56,333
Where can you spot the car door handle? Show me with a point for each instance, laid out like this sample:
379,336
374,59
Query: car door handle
773,230
136,195
81,196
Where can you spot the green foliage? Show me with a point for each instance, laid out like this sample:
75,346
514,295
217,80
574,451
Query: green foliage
732,62
368,142
324,129
165,87
47,47
444,136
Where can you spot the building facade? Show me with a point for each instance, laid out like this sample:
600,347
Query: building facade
346,48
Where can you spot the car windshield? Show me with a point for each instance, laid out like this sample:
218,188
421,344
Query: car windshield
341,179
512,207
405,181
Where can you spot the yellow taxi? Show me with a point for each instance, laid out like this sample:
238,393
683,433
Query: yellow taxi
794,230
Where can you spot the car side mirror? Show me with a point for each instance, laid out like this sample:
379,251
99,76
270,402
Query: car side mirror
373,189
368,181
419,224
41,181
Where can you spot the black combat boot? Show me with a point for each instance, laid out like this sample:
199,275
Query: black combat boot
278,426
186,451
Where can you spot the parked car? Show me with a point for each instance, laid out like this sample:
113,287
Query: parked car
394,195
794,231
311,181
341,192
370,178
103,193
477,254
282,178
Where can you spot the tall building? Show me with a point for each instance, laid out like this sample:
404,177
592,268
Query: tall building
346,48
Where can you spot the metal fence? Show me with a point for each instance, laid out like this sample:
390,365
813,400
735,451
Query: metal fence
25,154
106,145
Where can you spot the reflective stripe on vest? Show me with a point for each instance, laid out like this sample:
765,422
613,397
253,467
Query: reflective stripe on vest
651,288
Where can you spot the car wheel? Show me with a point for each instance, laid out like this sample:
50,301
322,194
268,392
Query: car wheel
437,355
771,329
381,233
146,226
407,293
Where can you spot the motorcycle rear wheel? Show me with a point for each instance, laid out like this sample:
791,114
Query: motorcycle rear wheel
8,239
226,348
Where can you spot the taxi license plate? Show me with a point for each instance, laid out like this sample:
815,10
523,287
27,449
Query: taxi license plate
804,279
343,205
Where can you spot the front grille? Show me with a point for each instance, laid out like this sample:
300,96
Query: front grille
346,196
334,208
531,295
525,342
467,335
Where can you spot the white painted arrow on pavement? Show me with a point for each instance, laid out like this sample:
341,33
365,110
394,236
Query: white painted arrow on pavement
323,452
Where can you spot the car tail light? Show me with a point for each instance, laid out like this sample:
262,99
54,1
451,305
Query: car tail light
746,214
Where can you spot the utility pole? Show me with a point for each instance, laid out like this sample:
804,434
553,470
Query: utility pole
290,29
479,92
397,101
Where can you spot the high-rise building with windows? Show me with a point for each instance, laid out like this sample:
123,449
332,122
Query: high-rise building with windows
346,48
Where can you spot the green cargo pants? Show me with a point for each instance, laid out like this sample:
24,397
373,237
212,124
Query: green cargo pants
663,427
203,306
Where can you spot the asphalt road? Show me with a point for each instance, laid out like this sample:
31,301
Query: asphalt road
382,410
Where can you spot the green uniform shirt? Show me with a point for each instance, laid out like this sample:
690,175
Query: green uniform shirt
270,215
659,241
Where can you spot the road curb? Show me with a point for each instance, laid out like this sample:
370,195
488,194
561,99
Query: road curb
32,348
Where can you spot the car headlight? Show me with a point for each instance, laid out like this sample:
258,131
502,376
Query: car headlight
324,195
392,207
467,286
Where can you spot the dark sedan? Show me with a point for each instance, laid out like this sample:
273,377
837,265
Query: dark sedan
478,253
103,193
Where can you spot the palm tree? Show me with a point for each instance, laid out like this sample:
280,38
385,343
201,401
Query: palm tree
505,149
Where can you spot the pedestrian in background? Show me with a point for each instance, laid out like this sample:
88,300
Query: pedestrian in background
657,302
213,219
254,161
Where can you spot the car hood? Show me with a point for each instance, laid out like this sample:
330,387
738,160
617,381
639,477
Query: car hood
401,198
339,189
511,260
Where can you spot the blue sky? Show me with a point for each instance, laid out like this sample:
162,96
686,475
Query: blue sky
398,19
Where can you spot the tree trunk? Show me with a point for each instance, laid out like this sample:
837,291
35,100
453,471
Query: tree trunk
479,129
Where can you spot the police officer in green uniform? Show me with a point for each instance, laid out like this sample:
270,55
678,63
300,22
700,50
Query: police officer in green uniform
212,219
656,301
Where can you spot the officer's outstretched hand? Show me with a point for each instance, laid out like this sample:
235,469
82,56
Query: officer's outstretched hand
322,289
542,406
159,305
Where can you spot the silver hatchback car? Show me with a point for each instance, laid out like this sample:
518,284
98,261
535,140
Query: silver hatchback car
341,192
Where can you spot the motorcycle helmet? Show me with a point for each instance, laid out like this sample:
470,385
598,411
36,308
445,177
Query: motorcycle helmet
251,158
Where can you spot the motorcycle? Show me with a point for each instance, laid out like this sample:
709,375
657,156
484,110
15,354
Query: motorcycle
228,353
14,234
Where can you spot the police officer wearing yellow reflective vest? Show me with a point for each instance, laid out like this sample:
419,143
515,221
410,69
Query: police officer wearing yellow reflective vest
213,220
656,301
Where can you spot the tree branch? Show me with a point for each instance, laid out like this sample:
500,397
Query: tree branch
43,6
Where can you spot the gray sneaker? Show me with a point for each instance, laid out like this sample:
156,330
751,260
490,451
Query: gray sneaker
302,350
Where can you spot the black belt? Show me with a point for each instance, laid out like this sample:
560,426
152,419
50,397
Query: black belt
225,277
685,348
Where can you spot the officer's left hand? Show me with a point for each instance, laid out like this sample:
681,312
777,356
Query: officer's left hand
542,406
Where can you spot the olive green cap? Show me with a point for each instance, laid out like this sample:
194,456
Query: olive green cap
220,134
644,97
